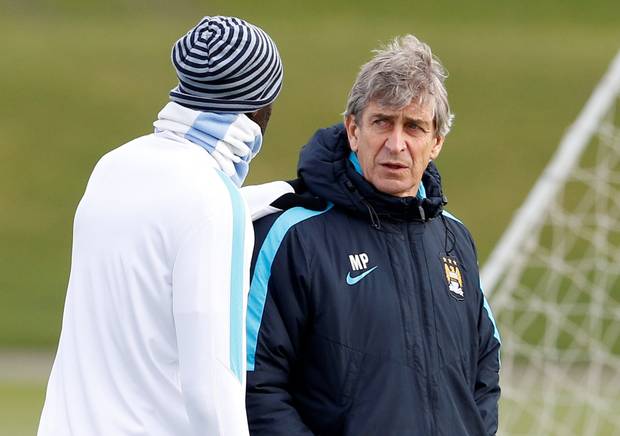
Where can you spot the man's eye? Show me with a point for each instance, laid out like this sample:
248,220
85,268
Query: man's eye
381,122
416,128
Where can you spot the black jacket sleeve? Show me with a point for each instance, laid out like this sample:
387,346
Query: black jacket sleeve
487,390
270,405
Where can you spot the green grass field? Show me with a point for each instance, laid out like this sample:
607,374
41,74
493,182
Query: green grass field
20,407
80,78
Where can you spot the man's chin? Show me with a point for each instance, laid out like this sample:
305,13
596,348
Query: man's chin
396,189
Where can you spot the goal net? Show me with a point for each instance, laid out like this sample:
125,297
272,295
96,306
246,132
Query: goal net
553,282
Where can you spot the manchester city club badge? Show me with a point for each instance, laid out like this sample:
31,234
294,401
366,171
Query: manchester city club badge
454,278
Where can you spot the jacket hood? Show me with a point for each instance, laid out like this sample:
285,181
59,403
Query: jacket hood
327,171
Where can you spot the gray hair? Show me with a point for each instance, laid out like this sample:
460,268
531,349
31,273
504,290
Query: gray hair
403,71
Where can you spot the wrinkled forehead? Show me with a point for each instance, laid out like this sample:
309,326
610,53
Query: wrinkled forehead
419,108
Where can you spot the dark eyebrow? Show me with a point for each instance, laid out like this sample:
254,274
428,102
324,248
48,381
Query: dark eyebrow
382,115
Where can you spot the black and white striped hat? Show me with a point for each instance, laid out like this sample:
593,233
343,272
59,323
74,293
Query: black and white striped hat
226,64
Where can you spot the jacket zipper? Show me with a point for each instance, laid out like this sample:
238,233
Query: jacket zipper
426,346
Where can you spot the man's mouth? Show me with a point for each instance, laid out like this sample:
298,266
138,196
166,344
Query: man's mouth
394,165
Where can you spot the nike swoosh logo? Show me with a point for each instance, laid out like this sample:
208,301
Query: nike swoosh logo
356,279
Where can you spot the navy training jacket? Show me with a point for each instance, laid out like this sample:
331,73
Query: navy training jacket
367,318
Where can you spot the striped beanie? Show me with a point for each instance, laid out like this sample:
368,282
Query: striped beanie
226,64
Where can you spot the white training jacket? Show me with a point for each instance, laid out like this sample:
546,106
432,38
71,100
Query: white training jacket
153,332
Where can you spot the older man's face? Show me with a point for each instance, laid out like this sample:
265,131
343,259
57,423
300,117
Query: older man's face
394,147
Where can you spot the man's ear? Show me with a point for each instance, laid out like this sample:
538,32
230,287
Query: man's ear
261,117
352,131
436,149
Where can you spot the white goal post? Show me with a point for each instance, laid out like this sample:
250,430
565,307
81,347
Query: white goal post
553,281
555,174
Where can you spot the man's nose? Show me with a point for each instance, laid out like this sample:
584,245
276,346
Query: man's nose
395,142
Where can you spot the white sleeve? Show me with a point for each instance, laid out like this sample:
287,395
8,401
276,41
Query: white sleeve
259,197
210,283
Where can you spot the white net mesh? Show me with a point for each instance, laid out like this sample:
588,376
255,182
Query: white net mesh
557,303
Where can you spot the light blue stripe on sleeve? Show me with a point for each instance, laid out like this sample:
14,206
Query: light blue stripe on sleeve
487,307
495,330
236,277
449,215
262,272
490,315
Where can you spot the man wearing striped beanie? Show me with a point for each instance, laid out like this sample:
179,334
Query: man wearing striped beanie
153,333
